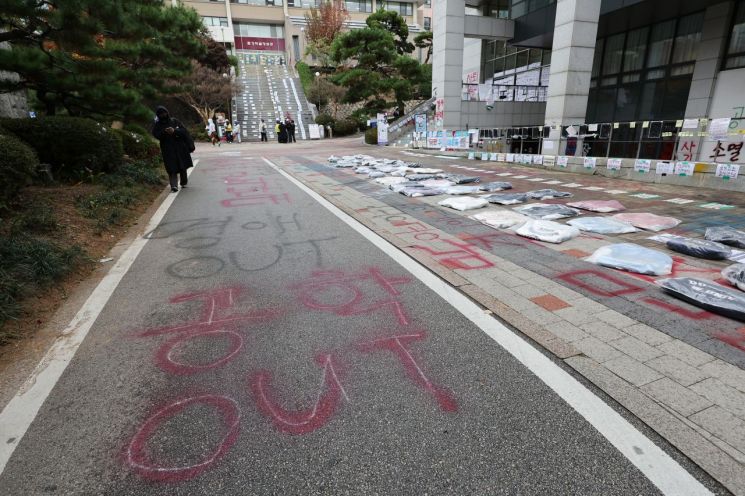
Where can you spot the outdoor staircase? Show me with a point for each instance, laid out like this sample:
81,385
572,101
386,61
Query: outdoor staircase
269,91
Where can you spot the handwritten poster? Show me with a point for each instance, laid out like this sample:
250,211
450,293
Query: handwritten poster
614,163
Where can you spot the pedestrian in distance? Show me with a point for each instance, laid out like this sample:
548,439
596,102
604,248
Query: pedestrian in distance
229,132
176,146
237,130
291,131
212,132
282,132
276,131
262,130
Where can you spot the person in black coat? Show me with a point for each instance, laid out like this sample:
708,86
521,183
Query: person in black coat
176,145
282,136
291,131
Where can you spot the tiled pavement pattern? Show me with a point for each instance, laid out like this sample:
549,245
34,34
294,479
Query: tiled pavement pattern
676,367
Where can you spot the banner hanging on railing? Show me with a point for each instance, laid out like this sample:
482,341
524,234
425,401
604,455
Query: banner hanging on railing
382,124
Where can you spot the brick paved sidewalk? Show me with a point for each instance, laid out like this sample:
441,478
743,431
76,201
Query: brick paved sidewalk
677,368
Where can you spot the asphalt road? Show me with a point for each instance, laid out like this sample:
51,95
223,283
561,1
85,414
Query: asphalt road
259,345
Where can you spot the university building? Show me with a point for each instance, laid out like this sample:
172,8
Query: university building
277,26
604,78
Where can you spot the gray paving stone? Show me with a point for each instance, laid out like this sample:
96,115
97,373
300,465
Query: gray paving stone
632,370
616,319
647,334
680,398
728,374
678,370
528,290
685,352
596,349
575,316
721,394
722,424
566,331
603,331
636,349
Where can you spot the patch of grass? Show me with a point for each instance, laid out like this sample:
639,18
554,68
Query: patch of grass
93,206
29,264
305,74
37,218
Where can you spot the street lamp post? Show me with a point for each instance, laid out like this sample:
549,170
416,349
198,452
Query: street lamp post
318,96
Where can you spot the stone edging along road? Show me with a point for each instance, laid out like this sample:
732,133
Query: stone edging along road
688,396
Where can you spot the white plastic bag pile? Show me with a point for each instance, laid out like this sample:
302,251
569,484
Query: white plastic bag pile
632,258
500,219
601,225
546,230
463,203
547,194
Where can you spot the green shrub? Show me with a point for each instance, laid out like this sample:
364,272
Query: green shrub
138,173
199,133
345,127
371,136
325,120
136,128
17,167
137,146
75,147
92,205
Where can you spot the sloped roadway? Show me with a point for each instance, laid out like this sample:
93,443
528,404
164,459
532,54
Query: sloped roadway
260,345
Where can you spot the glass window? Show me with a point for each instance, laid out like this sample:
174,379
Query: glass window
613,54
688,38
215,21
522,60
405,9
427,21
597,57
737,39
636,47
660,43
361,6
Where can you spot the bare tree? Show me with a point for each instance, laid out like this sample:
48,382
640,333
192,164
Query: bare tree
207,90
324,23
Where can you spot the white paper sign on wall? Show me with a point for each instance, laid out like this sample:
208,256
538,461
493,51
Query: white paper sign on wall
728,171
493,157
642,165
684,168
471,156
614,163
502,157
562,161
537,159
590,162
549,160
663,168
510,157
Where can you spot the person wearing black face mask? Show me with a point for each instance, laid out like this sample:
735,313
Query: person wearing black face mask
176,146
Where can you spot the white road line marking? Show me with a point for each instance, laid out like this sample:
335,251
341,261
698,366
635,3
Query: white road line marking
664,472
21,411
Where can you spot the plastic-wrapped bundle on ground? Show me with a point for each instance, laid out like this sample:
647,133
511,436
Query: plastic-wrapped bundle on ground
437,183
495,186
547,194
735,274
544,211
700,248
387,168
632,258
375,174
726,235
426,170
416,192
707,295
601,225
500,219
460,178
461,190
389,181
465,203
397,187
602,206
333,159
506,198
362,170
401,172
548,231
419,177
648,222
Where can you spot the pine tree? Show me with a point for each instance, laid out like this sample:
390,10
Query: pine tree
98,58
